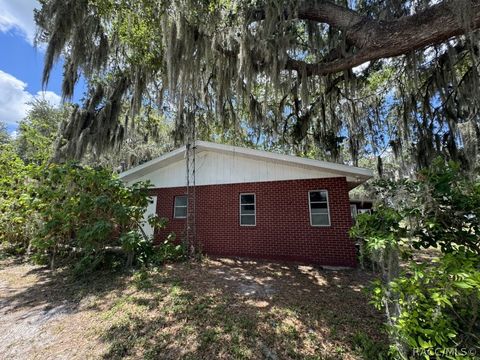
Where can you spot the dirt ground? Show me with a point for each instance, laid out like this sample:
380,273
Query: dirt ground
216,308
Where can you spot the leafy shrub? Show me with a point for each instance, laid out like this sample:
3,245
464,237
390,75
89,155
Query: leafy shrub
383,229
439,303
87,211
17,207
169,251
448,209
432,305
75,214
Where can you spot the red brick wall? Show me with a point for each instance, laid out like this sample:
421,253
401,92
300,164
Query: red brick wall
283,229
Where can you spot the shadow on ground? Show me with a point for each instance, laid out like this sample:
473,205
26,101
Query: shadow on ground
58,288
217,308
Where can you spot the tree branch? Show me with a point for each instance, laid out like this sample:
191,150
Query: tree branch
319,11
329,13
375,39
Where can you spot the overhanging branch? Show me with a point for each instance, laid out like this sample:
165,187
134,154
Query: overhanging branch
375,39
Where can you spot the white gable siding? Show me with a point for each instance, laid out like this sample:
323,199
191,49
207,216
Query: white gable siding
168,176
213,167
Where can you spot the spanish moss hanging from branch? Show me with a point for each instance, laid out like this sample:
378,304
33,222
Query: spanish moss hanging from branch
347,82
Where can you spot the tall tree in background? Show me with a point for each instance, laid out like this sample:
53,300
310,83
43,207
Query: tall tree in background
371,77
38,130
4,137
38,136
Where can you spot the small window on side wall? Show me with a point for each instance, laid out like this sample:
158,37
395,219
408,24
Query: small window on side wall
353,210
319,211
180,207
247,210
364,211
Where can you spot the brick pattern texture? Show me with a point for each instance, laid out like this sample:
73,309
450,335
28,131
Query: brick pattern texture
282,231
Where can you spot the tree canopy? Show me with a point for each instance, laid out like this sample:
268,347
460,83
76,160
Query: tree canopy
37,132
363,76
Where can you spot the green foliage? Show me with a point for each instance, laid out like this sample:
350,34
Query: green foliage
450,215
429,305
4,137
382,228
439,303
169,251
37,132
88,209
381,234
17,206
75,214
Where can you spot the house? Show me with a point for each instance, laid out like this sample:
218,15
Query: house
253,203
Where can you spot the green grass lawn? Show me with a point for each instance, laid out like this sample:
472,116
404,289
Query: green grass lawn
216,308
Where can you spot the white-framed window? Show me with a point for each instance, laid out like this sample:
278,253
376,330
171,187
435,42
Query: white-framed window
364,211
353,210
248,215
319,209
180,207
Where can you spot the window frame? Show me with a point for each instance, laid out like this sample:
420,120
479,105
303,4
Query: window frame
364,211
353,213
254,209
328,207
180,206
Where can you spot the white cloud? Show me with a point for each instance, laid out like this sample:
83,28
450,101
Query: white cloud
17,15
49,96
15,100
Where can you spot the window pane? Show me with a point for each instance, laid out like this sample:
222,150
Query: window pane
320,219
318,196
248,209
247,199
320,211
319,205
180,201
180,212
247,220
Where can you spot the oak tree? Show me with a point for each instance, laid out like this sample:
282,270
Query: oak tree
367,76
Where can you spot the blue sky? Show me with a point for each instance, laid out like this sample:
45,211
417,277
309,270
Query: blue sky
21,64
